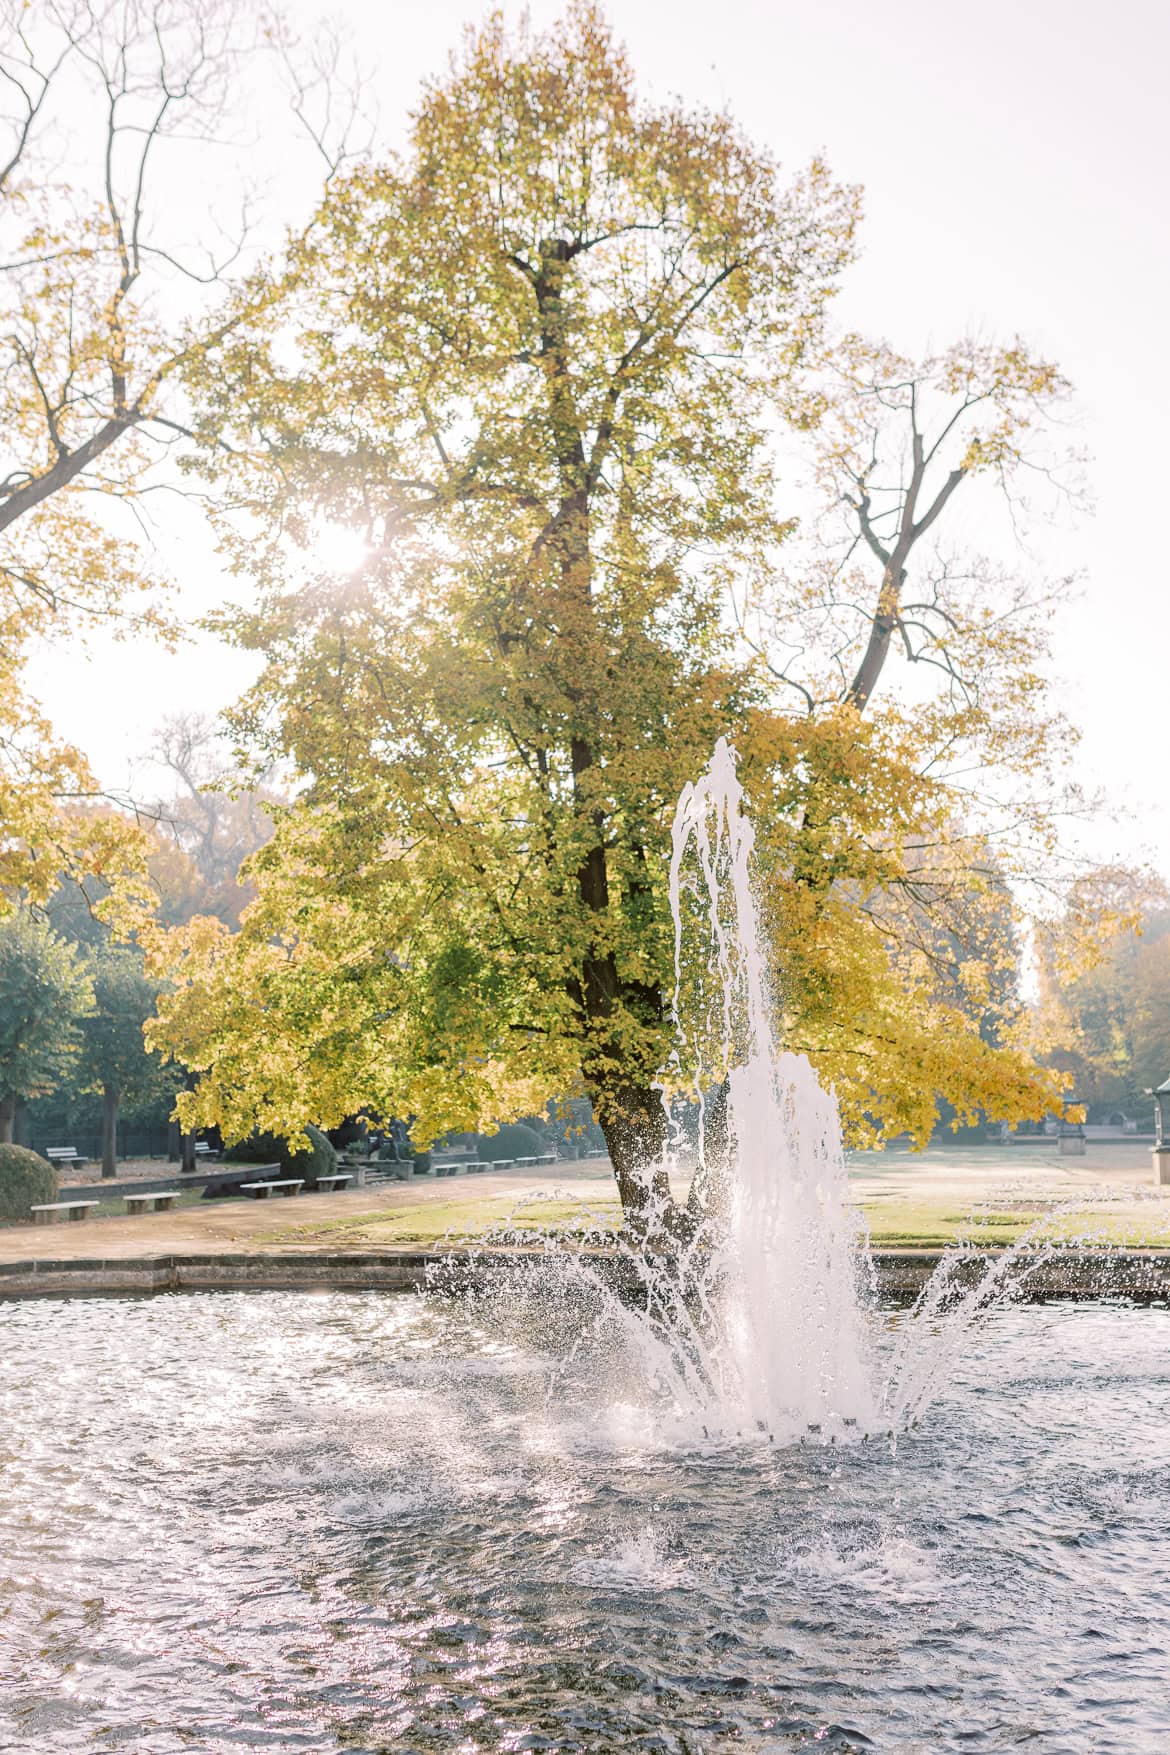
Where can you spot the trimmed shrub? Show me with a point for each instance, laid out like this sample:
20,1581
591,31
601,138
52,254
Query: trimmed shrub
514,1140
319,1158
26,1181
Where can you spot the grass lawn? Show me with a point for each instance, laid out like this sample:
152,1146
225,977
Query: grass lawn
434,1221
892,1224
114,1207
905,1225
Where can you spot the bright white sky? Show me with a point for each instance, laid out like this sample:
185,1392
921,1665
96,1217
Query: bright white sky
1016,165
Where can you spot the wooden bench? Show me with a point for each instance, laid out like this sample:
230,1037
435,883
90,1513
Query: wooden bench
65,1155
158,1202
68,1209
546,1158
332,1183
208,1153
267,1190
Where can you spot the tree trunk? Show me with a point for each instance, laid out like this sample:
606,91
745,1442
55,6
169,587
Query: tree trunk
881,632
7,1111
709,1200
187,1161
111,1097
20,1121
174,1143
634,1125
629,1111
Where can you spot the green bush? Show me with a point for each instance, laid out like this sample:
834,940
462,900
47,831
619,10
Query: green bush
514,1140
318,1159
26,1180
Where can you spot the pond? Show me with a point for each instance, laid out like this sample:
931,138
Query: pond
371,1522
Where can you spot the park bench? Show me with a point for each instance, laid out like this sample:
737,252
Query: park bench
65,1156
208,1154
332,1183
68,1209
267,1190
161,1201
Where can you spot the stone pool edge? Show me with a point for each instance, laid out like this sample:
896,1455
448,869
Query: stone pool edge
1142,1276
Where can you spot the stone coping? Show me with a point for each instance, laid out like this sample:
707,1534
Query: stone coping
1139,1276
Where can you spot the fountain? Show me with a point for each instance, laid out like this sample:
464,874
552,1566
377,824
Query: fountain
788,1256
766,1319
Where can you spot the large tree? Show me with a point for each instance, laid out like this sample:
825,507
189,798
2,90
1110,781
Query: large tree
535,362
532,361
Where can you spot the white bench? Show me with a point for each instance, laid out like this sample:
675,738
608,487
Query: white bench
65,1155
332,1183
546,1158
203,1150
158,1202
267,1190
67,1209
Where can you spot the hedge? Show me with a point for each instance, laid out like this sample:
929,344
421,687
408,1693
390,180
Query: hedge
26,1180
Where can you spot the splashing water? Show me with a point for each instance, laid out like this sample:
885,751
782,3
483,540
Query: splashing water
789,1265
764,1319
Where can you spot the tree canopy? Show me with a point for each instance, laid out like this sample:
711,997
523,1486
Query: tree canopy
45,994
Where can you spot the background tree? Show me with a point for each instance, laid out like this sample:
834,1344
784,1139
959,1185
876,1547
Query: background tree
45,993
1108,1027
113,1058
917,667
110,263
534,364
207,825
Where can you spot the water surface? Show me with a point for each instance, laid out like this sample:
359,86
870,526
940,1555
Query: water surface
364,1522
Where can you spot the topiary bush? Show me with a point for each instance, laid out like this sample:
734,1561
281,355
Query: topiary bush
318,1159
513,1140
26,1180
